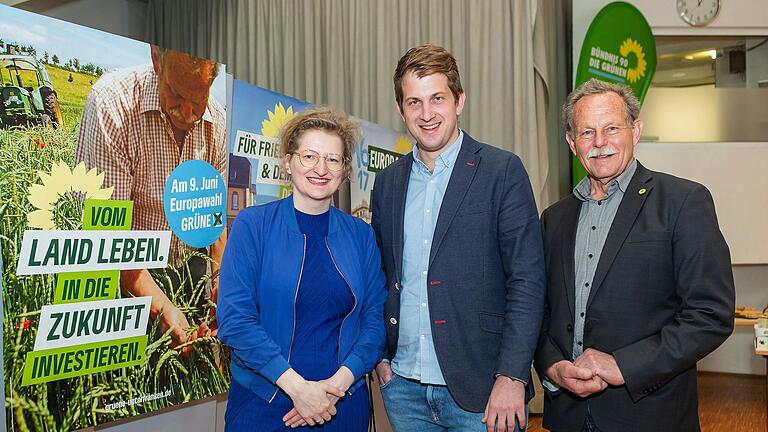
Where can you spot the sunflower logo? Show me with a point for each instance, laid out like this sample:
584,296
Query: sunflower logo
59,199
631,46
403,145
271,127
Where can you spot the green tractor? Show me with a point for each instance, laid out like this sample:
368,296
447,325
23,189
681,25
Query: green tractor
27,96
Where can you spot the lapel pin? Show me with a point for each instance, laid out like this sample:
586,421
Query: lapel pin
471,164
641,191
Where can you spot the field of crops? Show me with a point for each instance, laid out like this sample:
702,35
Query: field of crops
80,402
72,95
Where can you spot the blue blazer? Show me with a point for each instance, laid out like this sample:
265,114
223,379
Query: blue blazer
260,274
486,269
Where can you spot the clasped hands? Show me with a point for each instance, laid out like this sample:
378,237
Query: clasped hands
314,402
592,372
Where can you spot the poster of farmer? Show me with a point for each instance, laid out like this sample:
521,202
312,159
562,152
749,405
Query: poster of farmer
112,216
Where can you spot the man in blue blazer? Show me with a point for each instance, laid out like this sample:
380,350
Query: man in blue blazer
461,246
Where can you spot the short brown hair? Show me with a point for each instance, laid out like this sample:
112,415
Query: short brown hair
595,86
327,120
425,60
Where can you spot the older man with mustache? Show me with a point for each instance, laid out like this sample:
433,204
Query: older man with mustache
639,281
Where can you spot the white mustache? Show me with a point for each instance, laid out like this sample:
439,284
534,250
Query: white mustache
176,113
602,151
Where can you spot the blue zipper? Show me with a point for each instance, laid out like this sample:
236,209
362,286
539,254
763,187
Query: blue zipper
350,290
295,296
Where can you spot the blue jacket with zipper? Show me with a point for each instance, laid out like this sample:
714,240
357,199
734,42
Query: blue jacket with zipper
260,275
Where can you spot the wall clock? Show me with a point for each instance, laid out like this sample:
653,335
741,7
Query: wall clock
698,12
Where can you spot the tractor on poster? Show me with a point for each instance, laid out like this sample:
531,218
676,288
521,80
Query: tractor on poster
27,96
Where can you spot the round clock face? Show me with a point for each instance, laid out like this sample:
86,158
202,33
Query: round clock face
698,12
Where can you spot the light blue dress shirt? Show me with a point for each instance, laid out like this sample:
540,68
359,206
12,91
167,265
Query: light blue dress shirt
416,357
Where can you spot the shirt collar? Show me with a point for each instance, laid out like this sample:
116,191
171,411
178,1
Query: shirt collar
583,190
623,180
447,158
151,97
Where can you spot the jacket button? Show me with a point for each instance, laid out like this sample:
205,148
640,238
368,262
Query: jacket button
397,287
393,321
569,328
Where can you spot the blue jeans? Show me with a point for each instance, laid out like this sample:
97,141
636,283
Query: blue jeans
412,406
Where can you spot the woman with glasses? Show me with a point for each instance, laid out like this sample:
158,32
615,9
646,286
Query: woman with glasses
301,294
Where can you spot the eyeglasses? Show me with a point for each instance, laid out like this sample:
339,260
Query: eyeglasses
310,159
590,134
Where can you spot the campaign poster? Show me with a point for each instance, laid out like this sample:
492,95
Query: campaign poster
256,172
112,223
377,149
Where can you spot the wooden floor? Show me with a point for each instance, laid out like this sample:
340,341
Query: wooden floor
726,403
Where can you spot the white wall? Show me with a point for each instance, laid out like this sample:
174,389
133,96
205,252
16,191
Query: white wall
705,114
736,17
735,174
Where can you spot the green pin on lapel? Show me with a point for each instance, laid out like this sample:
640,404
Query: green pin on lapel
641,191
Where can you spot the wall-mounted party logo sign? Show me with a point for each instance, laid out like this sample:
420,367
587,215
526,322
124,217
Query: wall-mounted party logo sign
619,47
